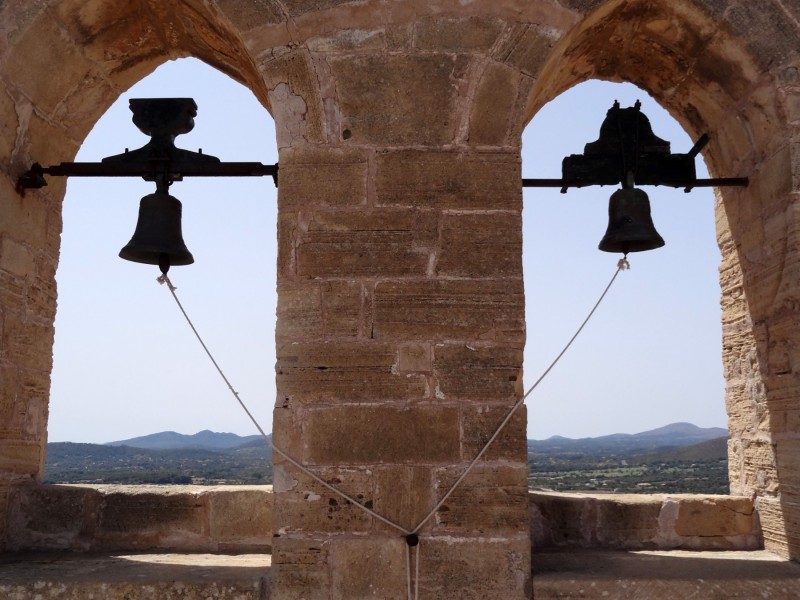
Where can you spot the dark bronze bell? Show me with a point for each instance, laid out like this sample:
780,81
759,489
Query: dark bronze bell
157,239
630,226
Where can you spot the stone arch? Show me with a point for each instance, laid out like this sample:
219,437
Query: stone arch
732,72
62,64
679,282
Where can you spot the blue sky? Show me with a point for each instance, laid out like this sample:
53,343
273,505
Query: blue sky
127,364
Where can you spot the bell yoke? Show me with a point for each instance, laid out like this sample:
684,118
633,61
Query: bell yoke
627,153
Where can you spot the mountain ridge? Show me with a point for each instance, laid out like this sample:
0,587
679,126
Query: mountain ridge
678,429
674,434
561,463
171,440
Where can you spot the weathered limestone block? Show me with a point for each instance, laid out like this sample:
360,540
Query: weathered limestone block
289,228
489,310
628,520
247,14
50,145
30,405
492,109
379,97
368,435
780,523
240,520
294,98
561,520
20,456
490,499
299,7
319,310
760,470
474,568
29,216
372,568
389,243
16,258
414,358
43,519
766,29
489,374
350,39
8,126
480,245
307,507
46,72
404,494
731,144
448,180
114,35
763,117
300,569
9,387
457,34
322,178
788,466
480,422
344,372
715,516
133,516
27,343
527,47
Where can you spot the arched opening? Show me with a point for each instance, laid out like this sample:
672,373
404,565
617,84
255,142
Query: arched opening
704,67
676,296
126,363
651,355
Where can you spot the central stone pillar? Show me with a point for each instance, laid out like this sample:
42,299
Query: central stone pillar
400,333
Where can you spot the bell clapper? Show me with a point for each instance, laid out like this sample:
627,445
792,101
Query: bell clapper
163,262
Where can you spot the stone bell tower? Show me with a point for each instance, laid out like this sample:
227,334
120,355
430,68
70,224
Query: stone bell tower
400,299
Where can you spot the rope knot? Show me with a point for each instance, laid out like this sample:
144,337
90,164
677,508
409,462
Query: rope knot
162,279
623,264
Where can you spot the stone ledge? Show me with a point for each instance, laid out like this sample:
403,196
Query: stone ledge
139,518
644,521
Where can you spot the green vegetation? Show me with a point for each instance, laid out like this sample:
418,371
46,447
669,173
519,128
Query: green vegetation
690,478
697,469
93,463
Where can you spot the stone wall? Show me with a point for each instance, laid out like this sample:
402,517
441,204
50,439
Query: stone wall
400,300
112,518
238,519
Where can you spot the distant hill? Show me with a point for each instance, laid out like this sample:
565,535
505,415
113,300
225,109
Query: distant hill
716,449
212,458
249,463
170,440
675,435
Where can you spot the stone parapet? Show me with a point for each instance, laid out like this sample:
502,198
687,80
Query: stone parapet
100,518
646,521
237,519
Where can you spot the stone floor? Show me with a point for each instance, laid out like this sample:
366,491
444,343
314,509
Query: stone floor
667,575
655,575
135,577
